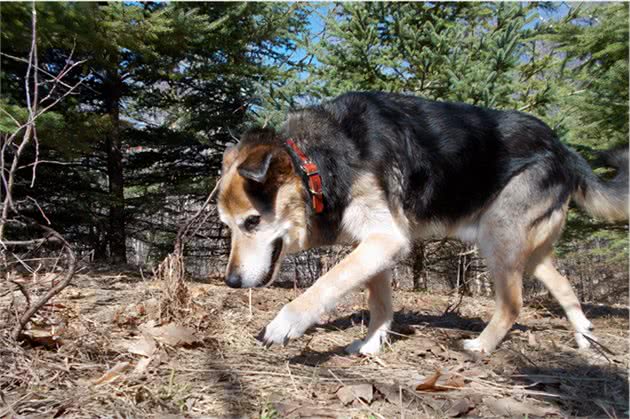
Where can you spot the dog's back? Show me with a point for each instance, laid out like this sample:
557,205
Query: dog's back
448,160
393,169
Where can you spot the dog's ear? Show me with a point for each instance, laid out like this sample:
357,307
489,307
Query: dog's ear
256,166
229,156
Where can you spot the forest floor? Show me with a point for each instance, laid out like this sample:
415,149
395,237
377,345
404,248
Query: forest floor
100,349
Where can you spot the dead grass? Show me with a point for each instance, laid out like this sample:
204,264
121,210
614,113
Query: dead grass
175,303
88,371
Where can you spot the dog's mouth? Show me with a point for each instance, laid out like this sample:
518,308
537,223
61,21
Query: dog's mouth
275,256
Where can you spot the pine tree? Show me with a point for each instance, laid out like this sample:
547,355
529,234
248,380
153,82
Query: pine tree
592,43
163,84
571,73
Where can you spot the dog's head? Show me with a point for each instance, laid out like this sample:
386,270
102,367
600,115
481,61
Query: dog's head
261,199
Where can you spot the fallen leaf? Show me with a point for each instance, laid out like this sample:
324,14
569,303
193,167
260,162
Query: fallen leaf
142,365
144,346
48,337
171,334
112,374
446,382
429,383
459,408
347,394
514,408
390,392
454,381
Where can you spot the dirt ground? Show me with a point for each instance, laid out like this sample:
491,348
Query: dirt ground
102,349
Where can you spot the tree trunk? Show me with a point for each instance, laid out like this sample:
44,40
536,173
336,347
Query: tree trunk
116,234
418,266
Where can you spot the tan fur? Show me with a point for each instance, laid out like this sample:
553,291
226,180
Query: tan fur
382,234
232,195
229,157
251,251
604,206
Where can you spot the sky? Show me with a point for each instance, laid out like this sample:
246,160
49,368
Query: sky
316,23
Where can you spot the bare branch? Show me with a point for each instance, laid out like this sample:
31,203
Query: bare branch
54,290
14,146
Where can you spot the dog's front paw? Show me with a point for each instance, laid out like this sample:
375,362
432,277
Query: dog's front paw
584,334
475,347
287,324
371,345
365,347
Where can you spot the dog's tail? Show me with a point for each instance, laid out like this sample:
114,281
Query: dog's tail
607,200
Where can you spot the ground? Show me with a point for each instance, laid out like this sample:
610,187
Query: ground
103,349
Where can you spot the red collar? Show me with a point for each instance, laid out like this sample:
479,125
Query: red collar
314,179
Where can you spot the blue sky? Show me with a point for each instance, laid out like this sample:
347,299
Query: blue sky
316,23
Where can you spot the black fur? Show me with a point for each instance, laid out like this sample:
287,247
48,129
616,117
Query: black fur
445,160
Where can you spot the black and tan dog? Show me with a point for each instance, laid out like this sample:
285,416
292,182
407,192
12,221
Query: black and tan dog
381,170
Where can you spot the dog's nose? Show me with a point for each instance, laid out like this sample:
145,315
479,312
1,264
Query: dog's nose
233,280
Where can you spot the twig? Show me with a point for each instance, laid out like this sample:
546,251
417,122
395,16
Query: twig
601,406
292,379
525,357
54,290
598,345
251,313
22,289
181,234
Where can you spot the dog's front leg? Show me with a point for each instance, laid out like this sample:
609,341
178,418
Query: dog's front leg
376,254
381,315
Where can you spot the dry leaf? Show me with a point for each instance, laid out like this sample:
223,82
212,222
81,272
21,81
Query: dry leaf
460,407
447,382
44,336
347,394
390,392
514,408
144,346
454,381
142,365
172,334
429,383
112,374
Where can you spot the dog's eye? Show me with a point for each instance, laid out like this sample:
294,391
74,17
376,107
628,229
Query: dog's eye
251,222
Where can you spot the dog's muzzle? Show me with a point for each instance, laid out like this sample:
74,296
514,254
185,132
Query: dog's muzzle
275,256
235,280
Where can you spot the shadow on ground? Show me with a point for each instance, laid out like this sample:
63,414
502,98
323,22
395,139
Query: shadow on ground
576,386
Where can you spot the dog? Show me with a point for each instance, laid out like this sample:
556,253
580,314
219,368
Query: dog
380,170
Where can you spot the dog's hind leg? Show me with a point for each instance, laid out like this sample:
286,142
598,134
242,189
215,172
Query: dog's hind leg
503,242
560,288
381,315
509,300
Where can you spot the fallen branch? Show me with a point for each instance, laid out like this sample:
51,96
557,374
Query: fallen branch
56,289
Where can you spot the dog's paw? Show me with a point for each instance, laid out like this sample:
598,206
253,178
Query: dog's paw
584,335
368,346
474,346
287,325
